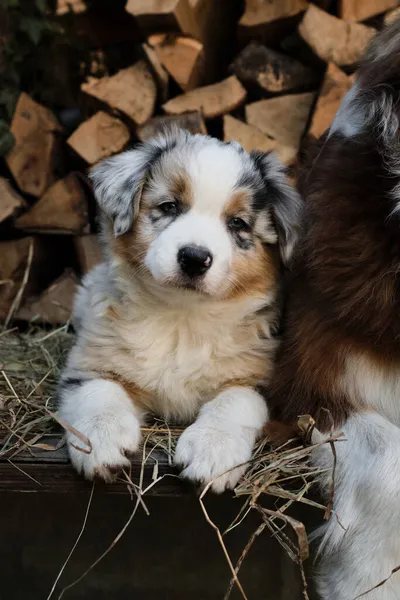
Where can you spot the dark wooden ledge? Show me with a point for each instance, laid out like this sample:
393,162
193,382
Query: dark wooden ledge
38,470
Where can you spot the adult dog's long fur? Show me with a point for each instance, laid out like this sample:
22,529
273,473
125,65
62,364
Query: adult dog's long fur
178,320
340,356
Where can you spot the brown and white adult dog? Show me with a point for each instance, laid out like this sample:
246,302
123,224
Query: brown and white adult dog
178,321
340,355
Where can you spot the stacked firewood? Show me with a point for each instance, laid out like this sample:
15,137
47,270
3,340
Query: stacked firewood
267,73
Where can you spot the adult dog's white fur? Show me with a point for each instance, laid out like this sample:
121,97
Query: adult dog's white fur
360,545
152,338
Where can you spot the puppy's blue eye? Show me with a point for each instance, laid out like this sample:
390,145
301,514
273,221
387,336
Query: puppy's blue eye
169,208
238,224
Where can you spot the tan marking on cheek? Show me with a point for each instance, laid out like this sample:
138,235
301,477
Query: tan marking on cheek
238,203
132,247
181,188
254,272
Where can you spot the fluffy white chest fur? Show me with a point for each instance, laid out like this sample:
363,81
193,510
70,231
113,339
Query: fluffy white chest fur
175,358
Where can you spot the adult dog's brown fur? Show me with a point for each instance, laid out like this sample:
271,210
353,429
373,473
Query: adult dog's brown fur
340,357
344,298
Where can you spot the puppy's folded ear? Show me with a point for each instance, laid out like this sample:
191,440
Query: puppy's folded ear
118,181
281,200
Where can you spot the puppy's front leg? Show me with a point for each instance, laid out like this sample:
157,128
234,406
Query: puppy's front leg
102,411
222,438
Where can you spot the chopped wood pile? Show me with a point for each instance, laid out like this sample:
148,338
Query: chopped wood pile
267,73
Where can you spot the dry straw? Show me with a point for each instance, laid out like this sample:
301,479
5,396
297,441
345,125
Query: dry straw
30,366
29,370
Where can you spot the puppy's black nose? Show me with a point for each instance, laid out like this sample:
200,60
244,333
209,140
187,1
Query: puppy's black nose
194,261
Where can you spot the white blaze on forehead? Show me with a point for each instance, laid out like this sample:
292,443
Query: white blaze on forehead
213,170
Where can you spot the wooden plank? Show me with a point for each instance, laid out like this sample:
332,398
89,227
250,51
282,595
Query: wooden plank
62,478
54,474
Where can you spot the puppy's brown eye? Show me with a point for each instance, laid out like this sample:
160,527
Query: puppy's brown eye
169,208
238,224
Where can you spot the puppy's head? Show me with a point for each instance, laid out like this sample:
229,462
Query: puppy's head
195,213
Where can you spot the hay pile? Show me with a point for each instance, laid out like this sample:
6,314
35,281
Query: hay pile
30,365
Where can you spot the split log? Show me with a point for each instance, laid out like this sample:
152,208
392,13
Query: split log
55,304
99,137
284,119
334,40
11,203
22,264
88,251
211,22
35,157
269,21
160,75
392,16
250,137
182,57
62,209
163,15
74,6
192,121
212,100
359,10
259,67
217,24
131,91
335,85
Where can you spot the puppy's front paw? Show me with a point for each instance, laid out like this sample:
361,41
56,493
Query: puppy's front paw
113,438
214,454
